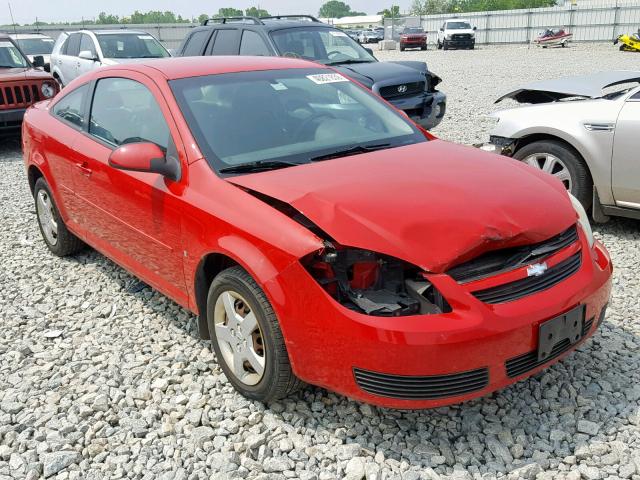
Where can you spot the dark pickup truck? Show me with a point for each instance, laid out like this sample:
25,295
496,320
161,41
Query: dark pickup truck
409,86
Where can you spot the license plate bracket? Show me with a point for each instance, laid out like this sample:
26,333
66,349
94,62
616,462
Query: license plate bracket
567,326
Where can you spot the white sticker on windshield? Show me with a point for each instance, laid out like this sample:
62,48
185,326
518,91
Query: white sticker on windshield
323,78
145,37
278,86
338,34
6,44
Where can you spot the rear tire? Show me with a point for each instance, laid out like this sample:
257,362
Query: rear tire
275,379
58,239
581,184
445,45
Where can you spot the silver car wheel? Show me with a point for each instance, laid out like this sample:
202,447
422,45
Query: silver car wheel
551,164
47,217
239,337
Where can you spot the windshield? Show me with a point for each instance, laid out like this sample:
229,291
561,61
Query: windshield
36,46
322,45
458,26
292,116
413,30
10,56
130,45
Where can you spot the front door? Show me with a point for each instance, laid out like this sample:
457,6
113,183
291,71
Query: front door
85,65
133,217
626,156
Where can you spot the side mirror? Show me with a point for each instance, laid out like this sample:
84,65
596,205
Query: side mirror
475,28
441,29
369,51
38,61
145,157
87,55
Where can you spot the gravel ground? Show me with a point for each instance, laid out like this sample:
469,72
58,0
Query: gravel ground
100,377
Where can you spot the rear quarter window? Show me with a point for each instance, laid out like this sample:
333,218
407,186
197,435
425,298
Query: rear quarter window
71,107
226,42
196,43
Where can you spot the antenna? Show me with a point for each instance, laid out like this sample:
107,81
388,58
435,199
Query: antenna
15,31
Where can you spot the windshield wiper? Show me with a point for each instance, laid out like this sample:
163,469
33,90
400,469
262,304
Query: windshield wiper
258,166
355,150
347,62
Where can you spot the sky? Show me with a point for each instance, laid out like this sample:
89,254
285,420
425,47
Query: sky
25,11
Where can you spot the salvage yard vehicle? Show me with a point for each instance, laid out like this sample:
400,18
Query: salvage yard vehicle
76,53
553,37
370,35
629,43
584,131
21,84
408,85
35,44
324,237
413,38
456,33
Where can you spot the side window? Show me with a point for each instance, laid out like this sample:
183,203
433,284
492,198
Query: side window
636,96
253,44
226,42
197,42
73,45
125,111
64,47
86,44
71,107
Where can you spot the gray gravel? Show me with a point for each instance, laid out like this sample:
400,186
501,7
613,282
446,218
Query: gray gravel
100,378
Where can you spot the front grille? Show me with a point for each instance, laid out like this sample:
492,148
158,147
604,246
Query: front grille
527,362
506,259
392,92
461,36
422,388
19,96
530,285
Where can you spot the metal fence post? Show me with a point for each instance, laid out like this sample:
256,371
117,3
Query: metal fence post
529,27
488,27
616,19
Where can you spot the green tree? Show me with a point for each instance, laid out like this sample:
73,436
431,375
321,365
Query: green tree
337,9
393,12
256,12
104,19
203,17
229,12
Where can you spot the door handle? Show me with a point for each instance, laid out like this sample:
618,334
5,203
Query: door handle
86,171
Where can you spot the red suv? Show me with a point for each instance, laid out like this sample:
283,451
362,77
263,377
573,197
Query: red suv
319,234
21,84
413,38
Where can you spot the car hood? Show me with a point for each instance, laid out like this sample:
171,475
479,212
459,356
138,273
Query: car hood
432,204
385,72
589,86
16,74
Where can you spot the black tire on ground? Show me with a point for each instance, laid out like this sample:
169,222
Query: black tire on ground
278,380
401,48
66,242
423,48
445,45
582,184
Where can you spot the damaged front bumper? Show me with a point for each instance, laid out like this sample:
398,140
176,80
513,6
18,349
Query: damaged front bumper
425,361
427,110
499,145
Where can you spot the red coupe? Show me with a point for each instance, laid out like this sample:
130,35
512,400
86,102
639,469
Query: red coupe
318,233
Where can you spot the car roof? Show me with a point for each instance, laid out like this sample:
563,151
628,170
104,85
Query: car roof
24,36
184,67
110,32
268,25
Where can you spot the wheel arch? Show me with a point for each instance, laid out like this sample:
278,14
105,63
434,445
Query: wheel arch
33,174
540,137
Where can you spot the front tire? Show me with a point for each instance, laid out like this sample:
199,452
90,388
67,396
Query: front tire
246,338
564,163
59,240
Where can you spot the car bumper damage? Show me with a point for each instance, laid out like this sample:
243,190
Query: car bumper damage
426,110
487,333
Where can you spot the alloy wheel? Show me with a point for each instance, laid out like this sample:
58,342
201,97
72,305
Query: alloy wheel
47,217
239,337
551,164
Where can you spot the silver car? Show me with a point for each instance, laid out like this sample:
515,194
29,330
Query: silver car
583,130
75,53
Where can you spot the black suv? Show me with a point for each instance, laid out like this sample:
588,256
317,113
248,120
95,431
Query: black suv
409,86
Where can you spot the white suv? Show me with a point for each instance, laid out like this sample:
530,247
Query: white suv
456,33
76,53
